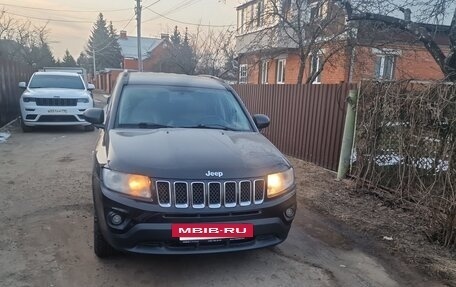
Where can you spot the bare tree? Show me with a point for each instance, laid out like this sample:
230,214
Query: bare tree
7,26
215,53
301,27
24,42
436,8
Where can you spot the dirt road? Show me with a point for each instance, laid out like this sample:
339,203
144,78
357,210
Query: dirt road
46,234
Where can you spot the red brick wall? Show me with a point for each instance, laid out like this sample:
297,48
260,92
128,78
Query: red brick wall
332,74
414,62
336,69
130,64
153,63
291,69
418,64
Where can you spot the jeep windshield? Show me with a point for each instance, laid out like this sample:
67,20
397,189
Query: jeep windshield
152,106
56,81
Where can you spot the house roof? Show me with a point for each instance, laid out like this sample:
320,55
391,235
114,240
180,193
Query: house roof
372,31
129,46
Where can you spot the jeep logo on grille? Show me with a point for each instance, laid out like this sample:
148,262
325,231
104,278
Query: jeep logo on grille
211,173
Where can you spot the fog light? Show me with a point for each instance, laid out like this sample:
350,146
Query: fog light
116,219
290,212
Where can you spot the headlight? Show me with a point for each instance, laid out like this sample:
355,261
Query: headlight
279,182
83,100
28,99
131,184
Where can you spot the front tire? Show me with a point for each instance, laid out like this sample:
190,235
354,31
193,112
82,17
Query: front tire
25,129
100,246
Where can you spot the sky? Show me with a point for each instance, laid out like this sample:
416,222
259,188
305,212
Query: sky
73,35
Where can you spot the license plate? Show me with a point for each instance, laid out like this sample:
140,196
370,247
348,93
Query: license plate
57,111
211,231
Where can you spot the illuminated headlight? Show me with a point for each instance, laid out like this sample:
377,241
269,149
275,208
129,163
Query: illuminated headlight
278,183
28,99
131,184
83,100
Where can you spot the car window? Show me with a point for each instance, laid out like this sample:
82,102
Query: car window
180,107
56,81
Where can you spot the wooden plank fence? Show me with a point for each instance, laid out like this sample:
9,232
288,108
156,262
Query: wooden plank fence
11,74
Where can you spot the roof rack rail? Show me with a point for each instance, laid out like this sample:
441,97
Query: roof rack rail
212,77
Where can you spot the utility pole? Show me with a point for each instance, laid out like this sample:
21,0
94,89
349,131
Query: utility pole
138,26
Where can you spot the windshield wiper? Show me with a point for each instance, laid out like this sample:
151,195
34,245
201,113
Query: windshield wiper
151,126
211,126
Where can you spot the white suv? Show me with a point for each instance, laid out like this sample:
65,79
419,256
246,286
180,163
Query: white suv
55,98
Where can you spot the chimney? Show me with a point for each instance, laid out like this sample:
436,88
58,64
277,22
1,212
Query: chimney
165,36
407,13
123,35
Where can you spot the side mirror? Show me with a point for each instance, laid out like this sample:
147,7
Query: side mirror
261,121
23,85
95,116
90,87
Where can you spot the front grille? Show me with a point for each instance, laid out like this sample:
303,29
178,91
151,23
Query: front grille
215,194
230,194
56,102
164,193
245,193
57,118
182,194
198,195
258,190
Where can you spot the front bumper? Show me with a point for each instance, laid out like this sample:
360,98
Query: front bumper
147,227
33,115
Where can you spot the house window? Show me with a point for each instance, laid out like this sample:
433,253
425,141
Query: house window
242,27
281,71
243,74
264,72
313,13
317,11
315,67
260,12
384,67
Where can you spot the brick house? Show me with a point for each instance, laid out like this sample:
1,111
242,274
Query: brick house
380,53
154,52
152,49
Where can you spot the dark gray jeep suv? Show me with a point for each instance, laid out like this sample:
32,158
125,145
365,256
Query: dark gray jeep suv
180,167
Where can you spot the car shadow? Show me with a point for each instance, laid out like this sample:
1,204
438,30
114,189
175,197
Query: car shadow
58,129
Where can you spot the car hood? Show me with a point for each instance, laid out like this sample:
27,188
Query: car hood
191,153
54,92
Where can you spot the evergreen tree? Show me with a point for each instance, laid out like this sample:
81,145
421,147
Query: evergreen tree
68,60
175,38
83,61
104,42
187,55
181,55
46,59
115,50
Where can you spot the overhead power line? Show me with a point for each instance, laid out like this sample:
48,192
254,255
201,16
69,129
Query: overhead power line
69,10
186,23
58,20
175,8
63,10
